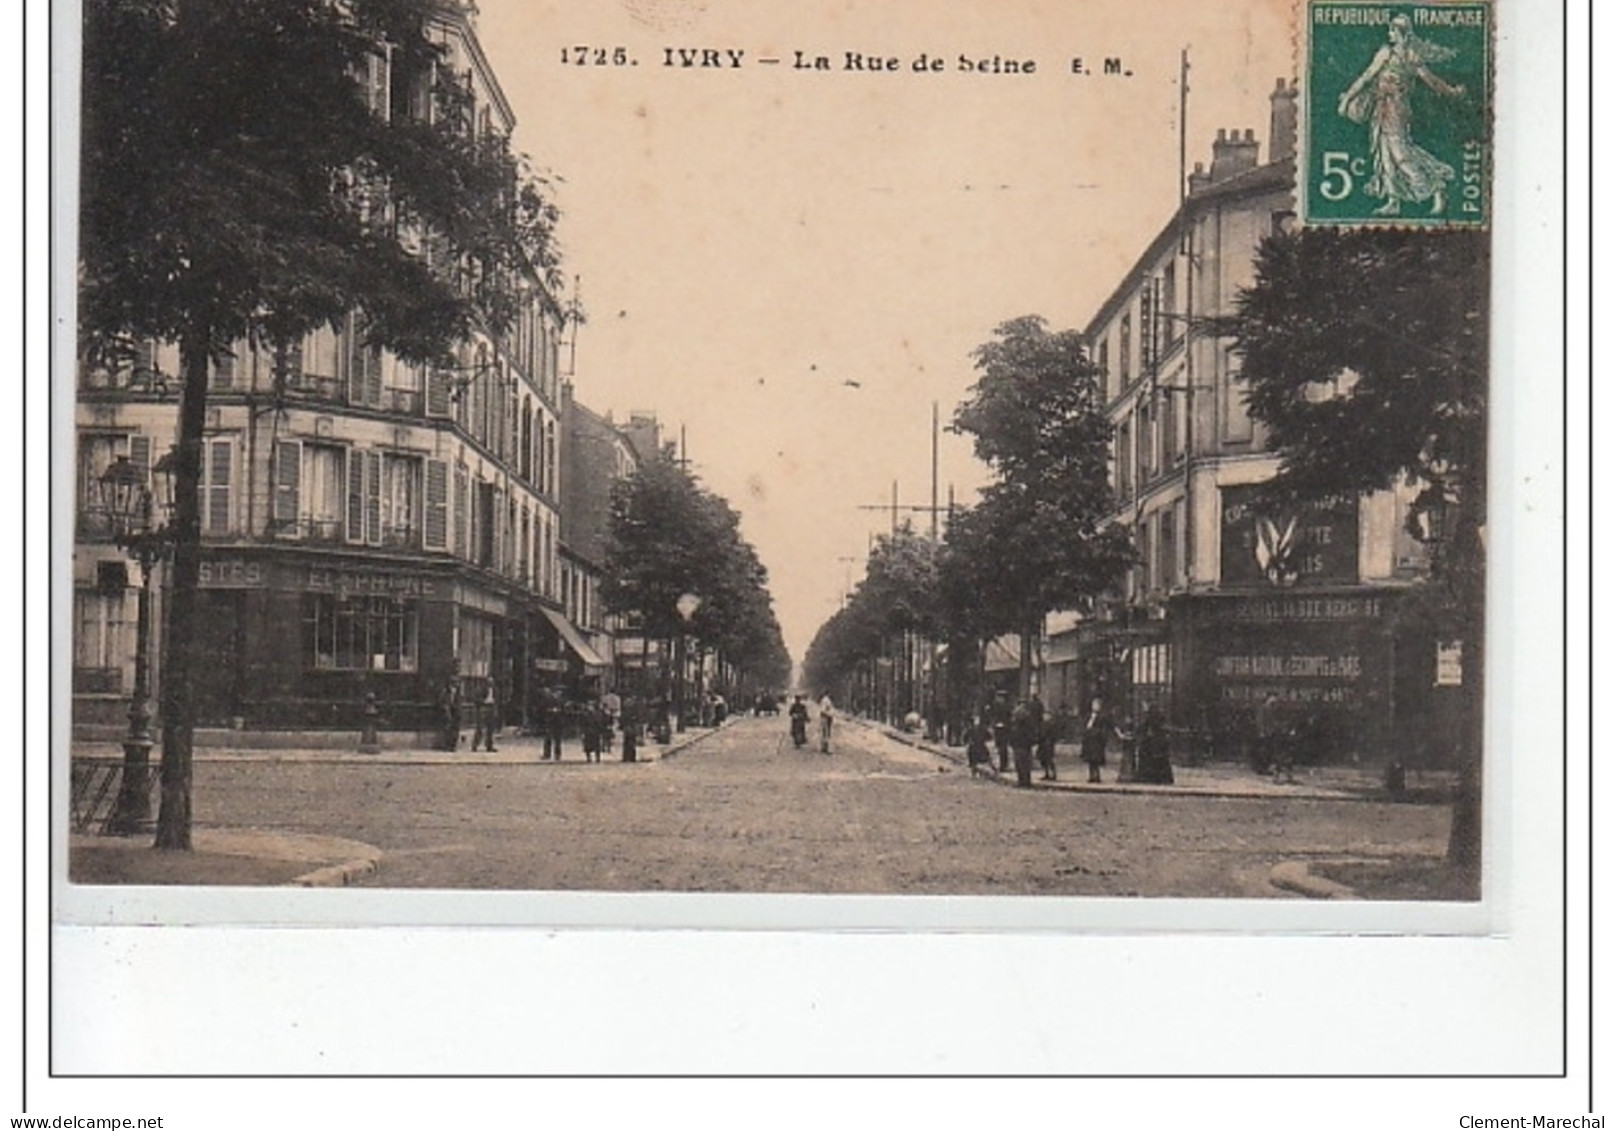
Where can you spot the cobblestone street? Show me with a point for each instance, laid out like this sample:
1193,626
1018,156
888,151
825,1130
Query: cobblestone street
741,810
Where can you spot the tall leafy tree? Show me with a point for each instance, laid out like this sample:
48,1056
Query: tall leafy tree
668,536
896,602
1365,353
1036,414
239,181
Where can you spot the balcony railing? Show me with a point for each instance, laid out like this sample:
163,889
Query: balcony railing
308,529
92,524
401,537
405,401
97,681
317,387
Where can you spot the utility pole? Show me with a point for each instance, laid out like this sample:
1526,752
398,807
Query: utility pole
1183,128
935,430
846,591
575,307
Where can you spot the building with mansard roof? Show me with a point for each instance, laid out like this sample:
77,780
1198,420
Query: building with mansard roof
1233,602
369,526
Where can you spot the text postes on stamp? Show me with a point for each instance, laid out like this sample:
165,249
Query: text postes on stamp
1397,114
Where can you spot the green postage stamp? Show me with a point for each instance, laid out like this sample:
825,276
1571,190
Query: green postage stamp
1397,117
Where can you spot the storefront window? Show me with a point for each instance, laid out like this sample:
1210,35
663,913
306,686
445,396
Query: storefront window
98,639
476,646
363,633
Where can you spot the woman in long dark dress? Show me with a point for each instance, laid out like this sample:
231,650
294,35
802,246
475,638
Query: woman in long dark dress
978,748
1154,758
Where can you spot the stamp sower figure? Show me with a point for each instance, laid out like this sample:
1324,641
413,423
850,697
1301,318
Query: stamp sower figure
487,716
827,718
1380,96
1096,729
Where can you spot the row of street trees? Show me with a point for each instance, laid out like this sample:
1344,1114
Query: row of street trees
238,181
1365,355
1037,540
677,567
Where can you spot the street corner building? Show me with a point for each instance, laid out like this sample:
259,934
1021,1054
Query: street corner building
373,531
1236,603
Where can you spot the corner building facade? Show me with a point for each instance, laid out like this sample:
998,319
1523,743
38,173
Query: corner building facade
369,526
1232,602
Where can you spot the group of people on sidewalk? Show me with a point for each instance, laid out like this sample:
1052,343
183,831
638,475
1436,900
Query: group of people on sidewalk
596,722
1027,731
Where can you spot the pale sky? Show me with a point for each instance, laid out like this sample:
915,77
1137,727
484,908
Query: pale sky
751,239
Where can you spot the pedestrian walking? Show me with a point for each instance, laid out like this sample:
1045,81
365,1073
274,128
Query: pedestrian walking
998,711
549,724
799,721
594,722
1274,741
1054,729
978,747
630,730
487,717
1096,730
827,718
449,703
1024,725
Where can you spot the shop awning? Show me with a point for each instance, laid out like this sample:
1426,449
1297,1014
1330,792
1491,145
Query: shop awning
574,639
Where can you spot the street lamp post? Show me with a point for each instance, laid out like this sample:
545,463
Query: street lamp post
128,503
686,606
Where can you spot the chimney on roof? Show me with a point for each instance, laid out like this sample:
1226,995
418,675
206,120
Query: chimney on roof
1198,179
1281,129
1232,154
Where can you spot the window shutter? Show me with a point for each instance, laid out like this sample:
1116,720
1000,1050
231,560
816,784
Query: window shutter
140,456
437,392
381,76
220,453
462,493
436,524
496,519
293,362
287,484
372,498
355,524
372,377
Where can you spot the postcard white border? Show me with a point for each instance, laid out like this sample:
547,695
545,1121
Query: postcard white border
1484,1004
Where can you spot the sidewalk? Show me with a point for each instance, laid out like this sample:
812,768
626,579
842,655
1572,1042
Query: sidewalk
1375,878
1218,779
265,857
513,749
231,857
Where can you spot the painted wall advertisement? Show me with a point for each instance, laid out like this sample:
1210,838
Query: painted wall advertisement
1267,547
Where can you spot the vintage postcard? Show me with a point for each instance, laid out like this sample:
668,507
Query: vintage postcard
852,421
698,463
